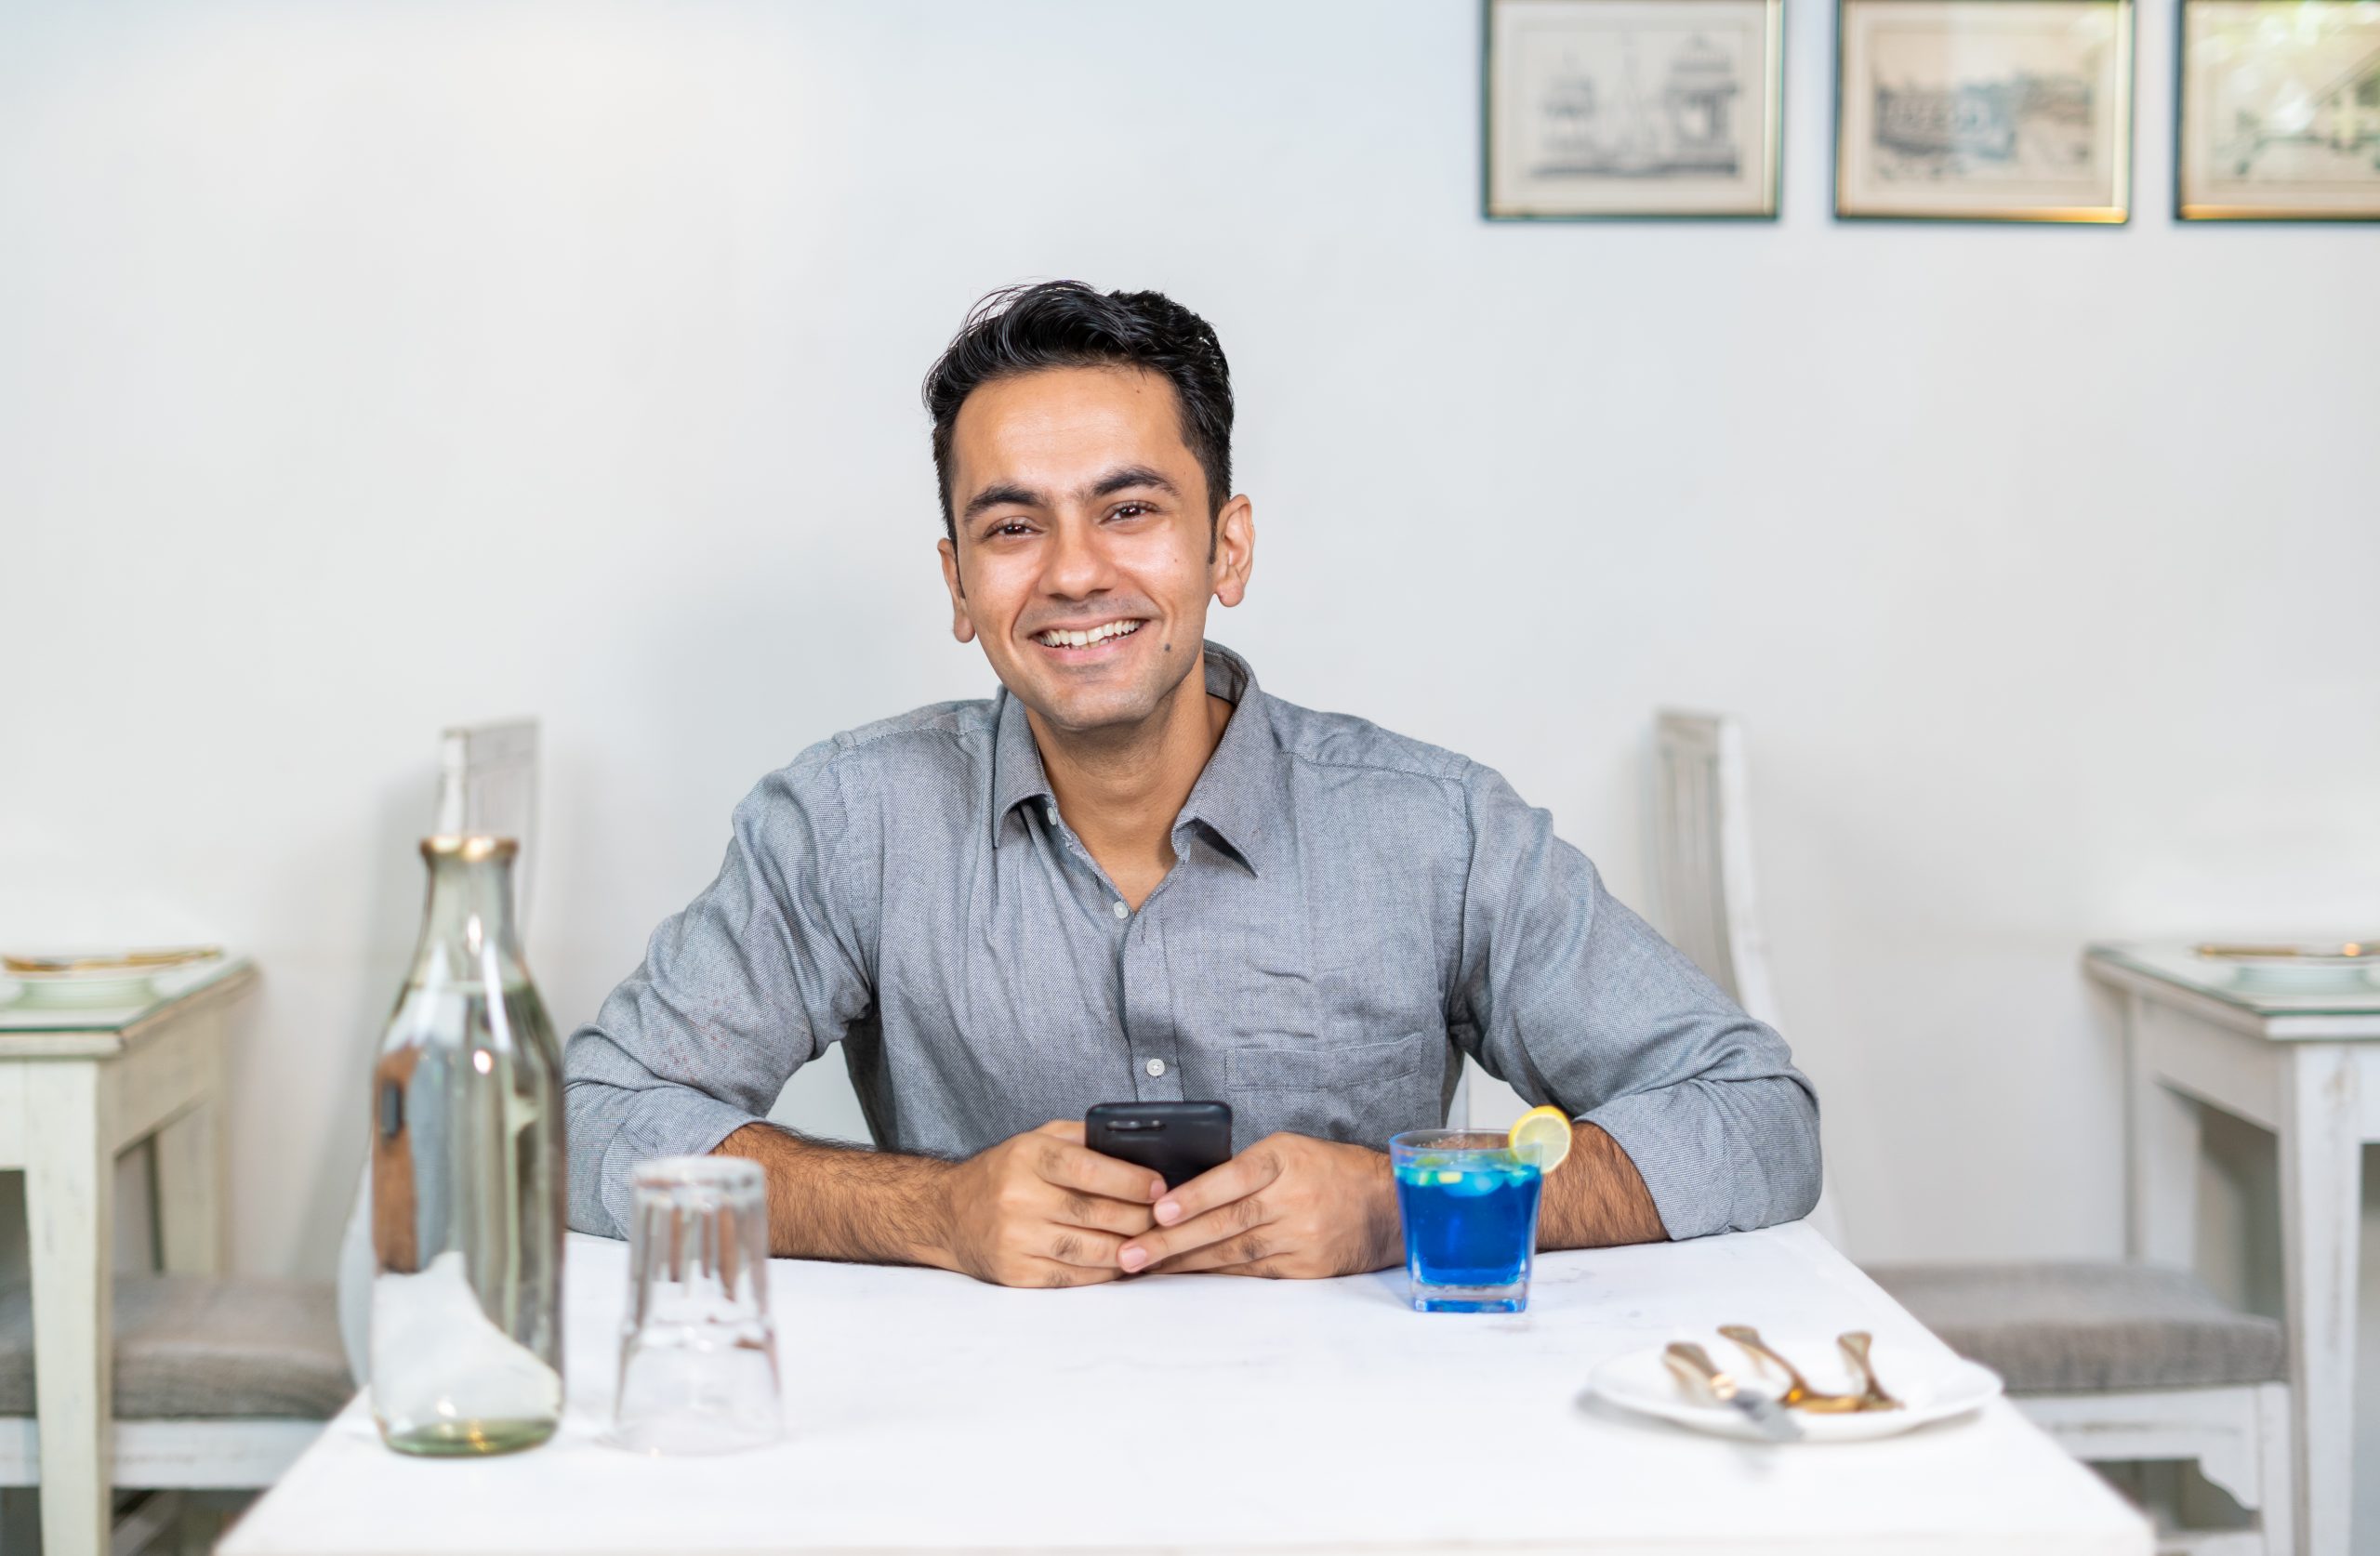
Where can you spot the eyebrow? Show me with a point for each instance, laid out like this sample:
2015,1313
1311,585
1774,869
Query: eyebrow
1127,477
1121,478
1003,495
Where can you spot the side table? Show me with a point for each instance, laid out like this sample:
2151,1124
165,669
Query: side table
2305,1068
77,1089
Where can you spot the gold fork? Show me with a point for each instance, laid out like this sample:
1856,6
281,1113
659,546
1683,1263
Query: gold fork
1798,1393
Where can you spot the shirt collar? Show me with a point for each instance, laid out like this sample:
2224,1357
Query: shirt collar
1241,797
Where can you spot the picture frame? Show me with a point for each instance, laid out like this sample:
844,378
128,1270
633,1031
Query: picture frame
1984,110
2277,110
1603,110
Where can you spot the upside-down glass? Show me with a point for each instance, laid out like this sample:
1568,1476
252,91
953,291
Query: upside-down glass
1469,1205
698,1354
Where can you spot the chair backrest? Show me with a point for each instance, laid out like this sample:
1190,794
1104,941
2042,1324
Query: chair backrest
487,782
1703,900
1702,878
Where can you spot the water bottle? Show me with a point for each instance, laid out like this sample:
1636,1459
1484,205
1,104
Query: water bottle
468,1185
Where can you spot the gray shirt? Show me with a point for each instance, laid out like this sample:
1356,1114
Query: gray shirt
1351,913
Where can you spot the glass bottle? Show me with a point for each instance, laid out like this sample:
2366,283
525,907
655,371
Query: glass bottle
468,1187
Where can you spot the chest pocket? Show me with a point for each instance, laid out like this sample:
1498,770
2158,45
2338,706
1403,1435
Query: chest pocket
1359,1093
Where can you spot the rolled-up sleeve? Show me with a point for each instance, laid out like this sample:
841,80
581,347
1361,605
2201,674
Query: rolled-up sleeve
1576,1003
738,991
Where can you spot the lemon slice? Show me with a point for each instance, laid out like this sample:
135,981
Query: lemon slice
1542,1135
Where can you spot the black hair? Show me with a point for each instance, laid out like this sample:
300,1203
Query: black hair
1066,323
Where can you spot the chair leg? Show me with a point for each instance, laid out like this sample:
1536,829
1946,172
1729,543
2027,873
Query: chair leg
2278,1515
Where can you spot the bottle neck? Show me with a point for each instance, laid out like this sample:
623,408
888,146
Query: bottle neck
466,931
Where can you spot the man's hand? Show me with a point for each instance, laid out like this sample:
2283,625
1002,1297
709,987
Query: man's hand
1044,1209
1290,1207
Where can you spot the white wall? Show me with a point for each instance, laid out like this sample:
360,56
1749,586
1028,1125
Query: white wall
372,367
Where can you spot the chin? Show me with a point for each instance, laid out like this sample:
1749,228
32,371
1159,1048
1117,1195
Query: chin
1083,715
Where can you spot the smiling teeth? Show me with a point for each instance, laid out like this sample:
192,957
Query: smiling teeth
1061,638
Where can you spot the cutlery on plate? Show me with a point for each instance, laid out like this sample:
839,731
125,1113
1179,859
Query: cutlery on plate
1702,1380
1798,1393
1871,1397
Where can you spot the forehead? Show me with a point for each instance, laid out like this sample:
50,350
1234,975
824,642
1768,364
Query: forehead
1062,421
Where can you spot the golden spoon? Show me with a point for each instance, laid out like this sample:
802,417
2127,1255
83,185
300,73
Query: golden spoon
1798,1394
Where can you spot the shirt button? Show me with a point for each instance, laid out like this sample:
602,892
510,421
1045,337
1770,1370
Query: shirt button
1051,812
1156,1066
1123,912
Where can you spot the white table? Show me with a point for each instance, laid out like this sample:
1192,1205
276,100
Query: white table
77,1089
1208,1413
2307,1068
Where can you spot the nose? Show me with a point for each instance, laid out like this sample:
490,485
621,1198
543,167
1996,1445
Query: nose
1077,565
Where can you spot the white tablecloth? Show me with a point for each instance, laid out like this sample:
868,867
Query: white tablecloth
928,1412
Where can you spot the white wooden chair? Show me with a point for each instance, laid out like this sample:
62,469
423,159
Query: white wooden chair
219,1384
487,783
2117,1362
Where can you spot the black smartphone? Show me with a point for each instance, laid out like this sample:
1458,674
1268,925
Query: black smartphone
1176,1141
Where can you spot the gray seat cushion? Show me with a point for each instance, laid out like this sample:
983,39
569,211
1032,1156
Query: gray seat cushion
195,1347
2074,1328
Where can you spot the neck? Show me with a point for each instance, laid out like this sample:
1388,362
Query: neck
1121,788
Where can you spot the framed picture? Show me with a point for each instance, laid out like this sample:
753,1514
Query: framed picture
1631,108
2278,105
1983,110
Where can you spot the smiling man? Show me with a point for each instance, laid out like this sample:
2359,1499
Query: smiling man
1133,875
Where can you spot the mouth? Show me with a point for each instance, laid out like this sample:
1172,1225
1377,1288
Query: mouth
1075,645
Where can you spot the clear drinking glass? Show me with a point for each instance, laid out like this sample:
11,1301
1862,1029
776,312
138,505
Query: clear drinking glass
698,1354
467,1179
1469,1205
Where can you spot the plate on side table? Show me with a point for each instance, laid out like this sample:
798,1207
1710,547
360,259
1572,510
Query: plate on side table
1931,1386
2333,966
93,980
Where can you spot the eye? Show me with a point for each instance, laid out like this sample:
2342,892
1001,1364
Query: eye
1009,526
1130,510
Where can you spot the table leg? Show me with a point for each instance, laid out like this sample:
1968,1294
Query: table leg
2321,1184
191,1175
2162,1137
70,1211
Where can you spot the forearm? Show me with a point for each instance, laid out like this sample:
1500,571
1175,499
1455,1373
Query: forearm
1596,1198
845,1203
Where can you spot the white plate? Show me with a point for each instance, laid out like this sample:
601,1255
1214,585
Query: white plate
108,985
87,988
1932,1386
2299,975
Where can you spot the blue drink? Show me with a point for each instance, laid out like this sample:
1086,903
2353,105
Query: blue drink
1470,1211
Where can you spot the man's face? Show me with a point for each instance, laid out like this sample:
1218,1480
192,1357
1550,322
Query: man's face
1083,559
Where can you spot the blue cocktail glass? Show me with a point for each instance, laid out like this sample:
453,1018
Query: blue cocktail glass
1470,1211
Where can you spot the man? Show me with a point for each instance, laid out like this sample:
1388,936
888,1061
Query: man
1133,875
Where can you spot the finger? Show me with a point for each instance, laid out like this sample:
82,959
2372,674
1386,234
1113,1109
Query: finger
1239,1225
1237,1179
1077,1166
1049,1272
1074,1207
1064,1128
1265,1247
1084,1249
1263,1270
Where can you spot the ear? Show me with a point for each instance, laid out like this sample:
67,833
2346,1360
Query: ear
1235,551
960,627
